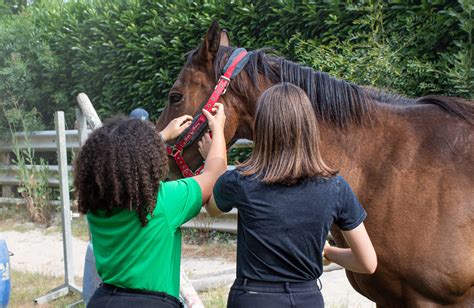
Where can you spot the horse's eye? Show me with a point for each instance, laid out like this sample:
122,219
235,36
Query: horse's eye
175,98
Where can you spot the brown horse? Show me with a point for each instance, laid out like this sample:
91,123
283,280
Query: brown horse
410,162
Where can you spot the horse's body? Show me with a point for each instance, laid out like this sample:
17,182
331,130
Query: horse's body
411,164
420,207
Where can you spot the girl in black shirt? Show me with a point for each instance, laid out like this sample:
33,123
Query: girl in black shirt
288,198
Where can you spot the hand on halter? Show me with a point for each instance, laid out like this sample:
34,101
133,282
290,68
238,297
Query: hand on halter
176,127
217,119
204,145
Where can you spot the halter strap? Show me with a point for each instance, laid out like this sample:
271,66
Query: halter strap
234,65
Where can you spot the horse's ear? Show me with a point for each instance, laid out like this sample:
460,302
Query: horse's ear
225,40
209,47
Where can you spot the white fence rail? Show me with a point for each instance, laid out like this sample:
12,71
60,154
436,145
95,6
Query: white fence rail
42,141
45,141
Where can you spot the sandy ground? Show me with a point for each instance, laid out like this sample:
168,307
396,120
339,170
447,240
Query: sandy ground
35,251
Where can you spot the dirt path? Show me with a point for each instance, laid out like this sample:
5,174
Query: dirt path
35,251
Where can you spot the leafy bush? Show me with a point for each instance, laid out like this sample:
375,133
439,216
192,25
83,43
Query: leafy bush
28,69
387,58
127,53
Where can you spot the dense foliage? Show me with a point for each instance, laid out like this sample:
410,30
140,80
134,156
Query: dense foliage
126,53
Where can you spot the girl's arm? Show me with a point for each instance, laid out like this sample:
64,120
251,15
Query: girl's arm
212,209
360,257
204,145
216,160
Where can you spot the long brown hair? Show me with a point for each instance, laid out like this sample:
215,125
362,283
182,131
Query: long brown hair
286,138
121,166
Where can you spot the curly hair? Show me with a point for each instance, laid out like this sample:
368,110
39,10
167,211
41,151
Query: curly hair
121,166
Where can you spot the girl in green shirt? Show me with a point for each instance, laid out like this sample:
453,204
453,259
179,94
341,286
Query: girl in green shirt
134,216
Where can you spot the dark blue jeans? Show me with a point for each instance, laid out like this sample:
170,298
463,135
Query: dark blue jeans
108,296
248,294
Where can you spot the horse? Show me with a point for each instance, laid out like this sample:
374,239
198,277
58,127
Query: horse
409,161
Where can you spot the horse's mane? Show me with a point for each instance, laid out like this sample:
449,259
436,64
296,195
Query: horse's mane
334,100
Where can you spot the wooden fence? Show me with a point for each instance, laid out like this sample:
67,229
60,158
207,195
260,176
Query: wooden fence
45,142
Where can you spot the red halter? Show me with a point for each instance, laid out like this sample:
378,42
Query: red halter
176,150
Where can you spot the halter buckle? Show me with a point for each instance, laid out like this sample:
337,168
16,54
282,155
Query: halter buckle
226,84
172,151
225,78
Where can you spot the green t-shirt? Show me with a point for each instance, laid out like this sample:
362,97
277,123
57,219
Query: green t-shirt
131,256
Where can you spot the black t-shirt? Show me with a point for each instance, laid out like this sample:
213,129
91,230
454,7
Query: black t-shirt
282,229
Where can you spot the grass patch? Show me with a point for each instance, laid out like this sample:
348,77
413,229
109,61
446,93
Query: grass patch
80,228
209,244
16,218
28,286
200,237
215,298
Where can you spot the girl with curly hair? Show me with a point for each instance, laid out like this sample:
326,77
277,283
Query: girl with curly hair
134,216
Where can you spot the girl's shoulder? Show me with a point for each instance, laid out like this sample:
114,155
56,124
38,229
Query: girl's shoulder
338,182
232,174
239,182
334,185
228,178
235,174
332,180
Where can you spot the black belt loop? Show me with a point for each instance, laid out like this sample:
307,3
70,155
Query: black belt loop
288,290
319,284
245,285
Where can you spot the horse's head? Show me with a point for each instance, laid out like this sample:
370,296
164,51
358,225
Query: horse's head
194,85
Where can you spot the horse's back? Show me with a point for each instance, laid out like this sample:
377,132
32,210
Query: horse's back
440,143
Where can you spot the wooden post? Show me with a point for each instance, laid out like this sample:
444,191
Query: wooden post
68,285
7,191
88,110
81,127
64,192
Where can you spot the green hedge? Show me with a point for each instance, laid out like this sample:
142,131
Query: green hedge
127,53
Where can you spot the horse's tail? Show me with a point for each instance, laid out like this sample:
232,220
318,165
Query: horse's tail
459,107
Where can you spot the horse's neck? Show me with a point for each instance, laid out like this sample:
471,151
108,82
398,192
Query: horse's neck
358,148
343,149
